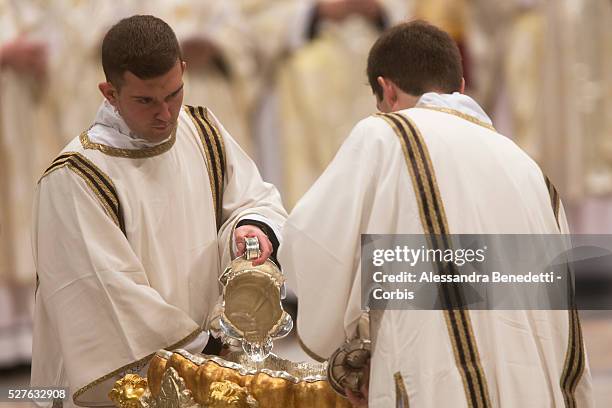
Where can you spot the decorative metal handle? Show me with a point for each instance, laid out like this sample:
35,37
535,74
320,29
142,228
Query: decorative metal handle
252,248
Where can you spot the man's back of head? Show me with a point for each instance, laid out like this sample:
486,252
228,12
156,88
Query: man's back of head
414,58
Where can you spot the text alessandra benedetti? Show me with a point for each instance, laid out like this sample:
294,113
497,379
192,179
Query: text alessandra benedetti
474,277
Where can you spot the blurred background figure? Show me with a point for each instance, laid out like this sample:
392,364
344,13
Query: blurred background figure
27,141
544,69
314,53
280,75
75,71
220,53
48,93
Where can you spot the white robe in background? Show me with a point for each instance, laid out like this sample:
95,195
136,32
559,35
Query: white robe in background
76,67
488,186
222,24
28,138
317,87
28,141
107,300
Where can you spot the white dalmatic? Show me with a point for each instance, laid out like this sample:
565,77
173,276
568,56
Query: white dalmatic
129,239
319,82
487,186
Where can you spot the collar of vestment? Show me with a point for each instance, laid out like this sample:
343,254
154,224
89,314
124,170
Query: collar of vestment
111,135
457,104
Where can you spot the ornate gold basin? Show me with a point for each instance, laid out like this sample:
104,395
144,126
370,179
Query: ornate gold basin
249,313
180,379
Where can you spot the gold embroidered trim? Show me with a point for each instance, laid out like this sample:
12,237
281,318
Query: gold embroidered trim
574,360
574,365
427,193
96,179
81,173
218,155
218,147
308,351
466,346
207,158
127,367
433,219
129,153
462,115
569,361
401,395
555,200
214,154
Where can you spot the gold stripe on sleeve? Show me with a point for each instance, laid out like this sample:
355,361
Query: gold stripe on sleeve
555,200
401,395
214,154
100,184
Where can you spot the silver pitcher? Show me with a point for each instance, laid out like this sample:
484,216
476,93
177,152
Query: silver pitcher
249,312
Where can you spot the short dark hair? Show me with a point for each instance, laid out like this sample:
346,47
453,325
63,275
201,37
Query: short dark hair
144,45
418,57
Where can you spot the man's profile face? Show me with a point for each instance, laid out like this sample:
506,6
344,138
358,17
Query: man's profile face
150,107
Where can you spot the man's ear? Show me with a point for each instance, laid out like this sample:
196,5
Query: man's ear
389,92
462,89
109,92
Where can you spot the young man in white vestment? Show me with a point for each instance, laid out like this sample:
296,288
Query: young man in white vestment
479,182
135,219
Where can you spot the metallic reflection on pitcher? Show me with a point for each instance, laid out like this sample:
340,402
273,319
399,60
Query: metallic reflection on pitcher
250,312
